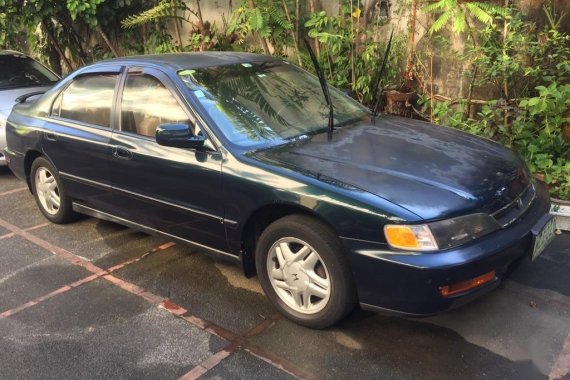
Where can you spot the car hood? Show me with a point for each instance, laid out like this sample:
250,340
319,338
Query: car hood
432,171
8,97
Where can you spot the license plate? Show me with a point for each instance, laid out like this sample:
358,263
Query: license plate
543,233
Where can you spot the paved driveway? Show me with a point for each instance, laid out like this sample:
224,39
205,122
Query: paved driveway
96,300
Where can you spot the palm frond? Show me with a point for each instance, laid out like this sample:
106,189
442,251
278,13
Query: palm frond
439,5
441,21
459,23
492,9
479,13
278,17
164,9
256,19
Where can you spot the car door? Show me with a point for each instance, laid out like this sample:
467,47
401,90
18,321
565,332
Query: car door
173,190
78,134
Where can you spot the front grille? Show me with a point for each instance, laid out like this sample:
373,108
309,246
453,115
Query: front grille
514,210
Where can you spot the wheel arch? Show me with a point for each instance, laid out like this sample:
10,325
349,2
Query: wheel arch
29,159
260,219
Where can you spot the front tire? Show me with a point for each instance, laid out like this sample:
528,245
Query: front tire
49,193
304,272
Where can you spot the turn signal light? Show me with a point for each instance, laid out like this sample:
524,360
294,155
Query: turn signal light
460,287
413,237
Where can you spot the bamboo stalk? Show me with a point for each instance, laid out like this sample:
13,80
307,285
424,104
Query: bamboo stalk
294,33
199,11
202,26
313,8
177,26
410,63
264,44
431,86
505,84
353,76
297,18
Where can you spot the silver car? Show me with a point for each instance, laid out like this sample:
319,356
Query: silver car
19,75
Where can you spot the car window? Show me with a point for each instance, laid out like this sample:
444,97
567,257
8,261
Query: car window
88,99
21,71
146,104
253,103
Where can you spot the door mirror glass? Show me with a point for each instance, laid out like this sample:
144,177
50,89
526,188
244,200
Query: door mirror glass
179,136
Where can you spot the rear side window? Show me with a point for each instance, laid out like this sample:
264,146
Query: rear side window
88,99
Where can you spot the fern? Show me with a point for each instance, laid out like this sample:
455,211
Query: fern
458,11
165,9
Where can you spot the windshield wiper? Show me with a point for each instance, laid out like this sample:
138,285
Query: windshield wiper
376,98
324,87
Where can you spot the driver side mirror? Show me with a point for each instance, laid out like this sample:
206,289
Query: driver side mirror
178,135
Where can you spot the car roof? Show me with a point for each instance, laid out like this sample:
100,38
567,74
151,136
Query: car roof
194,60
12,52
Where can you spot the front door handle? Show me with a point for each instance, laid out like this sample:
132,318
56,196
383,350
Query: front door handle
51,136
122,153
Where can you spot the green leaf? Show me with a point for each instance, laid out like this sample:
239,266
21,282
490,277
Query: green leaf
256,19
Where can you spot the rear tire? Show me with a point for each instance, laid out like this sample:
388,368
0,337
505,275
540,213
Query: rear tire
304,271
49,193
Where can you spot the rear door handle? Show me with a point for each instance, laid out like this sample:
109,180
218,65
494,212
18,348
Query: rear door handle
122,153
51,136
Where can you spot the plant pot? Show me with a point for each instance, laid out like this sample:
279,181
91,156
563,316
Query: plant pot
561,211
399,103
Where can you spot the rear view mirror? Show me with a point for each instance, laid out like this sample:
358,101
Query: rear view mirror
178,135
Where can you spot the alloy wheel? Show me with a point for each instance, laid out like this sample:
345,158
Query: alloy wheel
298,275
47,190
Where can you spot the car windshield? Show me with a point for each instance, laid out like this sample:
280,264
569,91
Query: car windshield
254,103
22,71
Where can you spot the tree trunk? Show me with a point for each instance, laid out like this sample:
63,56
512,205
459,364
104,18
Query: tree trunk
56,45
109,43
54,59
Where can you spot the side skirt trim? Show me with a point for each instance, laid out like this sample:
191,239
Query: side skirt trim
139,227
230,223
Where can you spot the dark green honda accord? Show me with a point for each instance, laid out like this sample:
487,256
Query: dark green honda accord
240,155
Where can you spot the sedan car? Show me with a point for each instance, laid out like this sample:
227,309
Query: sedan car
230,152
20,75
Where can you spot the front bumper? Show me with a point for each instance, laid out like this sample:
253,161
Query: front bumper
2,145
410,283
16,163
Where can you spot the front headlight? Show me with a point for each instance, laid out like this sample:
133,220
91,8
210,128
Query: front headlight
442,234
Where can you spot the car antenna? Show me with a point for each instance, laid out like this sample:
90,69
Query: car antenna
324,86
376,98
